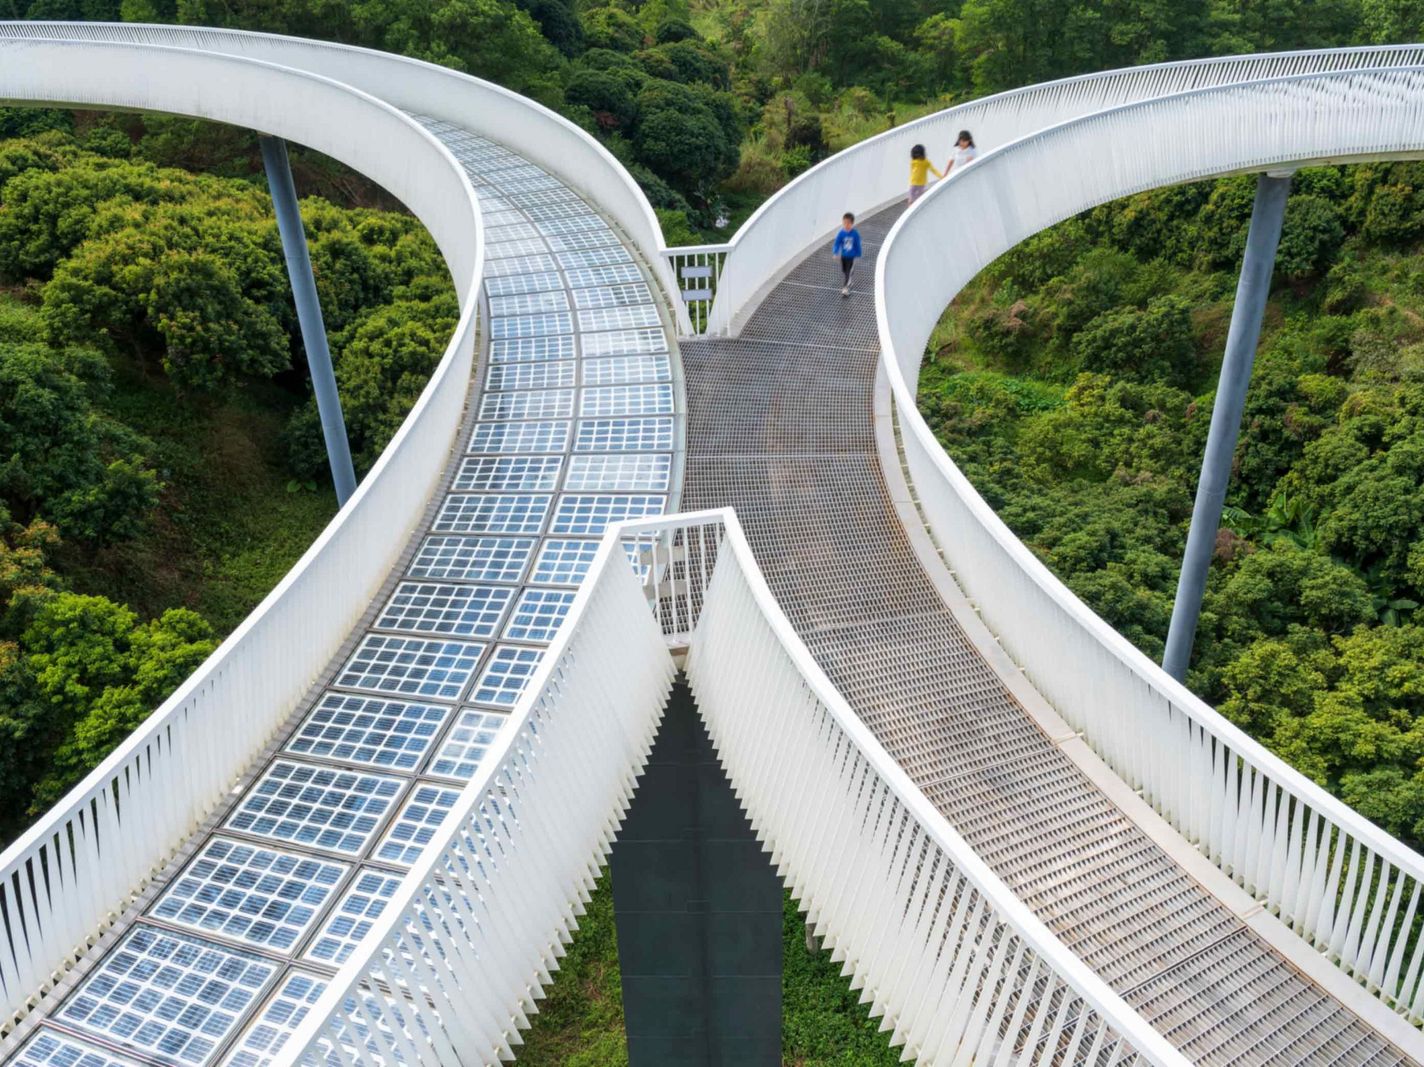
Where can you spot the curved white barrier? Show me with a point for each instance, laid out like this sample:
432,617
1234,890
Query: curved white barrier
873,173
960,969
544,137
73,873
1339,881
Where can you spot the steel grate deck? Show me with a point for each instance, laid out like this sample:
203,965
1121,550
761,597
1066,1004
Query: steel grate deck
780,427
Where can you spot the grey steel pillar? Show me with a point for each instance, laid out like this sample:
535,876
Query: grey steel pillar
698,907
1252,288
299,271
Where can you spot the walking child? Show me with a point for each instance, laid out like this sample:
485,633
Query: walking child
847,247
964,152
920,168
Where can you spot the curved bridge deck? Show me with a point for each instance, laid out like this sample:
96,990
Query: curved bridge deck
574,425
780,426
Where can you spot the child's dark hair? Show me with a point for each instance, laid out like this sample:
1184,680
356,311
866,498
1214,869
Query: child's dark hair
847,217
965,135
918,152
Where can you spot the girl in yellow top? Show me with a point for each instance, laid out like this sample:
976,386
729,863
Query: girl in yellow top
919,172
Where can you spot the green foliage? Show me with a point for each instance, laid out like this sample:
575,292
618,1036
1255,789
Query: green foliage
1151,343
94,672
66,462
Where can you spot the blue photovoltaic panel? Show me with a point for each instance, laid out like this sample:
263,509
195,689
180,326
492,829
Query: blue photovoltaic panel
513,284
618,400
350,920
508,513
537,615
530,474
628,471
553,322
519,437
320,807
546,209
445,608
261,896
579,222
611,274
603,296
510,231
513,377
466,743
411,666
595,257
598,239
627,370
646,341
538,404
529,303
624,435
564,560
470,559
170,995
520,265
50,1048
506,675
417,822
532,349
277,1021
495,252
389,734
623,317
591,513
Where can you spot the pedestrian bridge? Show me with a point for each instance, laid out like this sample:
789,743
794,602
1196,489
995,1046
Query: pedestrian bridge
363,831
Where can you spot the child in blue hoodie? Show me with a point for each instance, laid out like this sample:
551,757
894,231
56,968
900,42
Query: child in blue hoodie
847,247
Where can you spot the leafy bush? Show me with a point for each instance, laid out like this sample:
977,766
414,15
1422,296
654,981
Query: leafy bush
1150,344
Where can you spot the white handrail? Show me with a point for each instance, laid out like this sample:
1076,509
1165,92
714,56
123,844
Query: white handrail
873,173
957,964
1334,877
545,137
72,874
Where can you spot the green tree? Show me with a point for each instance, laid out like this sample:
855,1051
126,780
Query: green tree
1151,344
96,672
65,461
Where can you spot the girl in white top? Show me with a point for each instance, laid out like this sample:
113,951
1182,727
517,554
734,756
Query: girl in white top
964,152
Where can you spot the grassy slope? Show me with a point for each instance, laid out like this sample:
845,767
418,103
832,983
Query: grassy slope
227,528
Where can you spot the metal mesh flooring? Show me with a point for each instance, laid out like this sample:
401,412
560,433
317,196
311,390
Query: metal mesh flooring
572,425
780,428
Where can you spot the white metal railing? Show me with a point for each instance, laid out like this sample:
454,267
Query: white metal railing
1336,879
874,172
75,871
959,967
698,271
543,136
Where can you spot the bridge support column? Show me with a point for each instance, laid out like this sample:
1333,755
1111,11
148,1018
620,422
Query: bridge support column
299,271
698,908
1252,288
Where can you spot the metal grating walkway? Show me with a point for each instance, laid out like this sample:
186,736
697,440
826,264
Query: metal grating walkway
780,427
574,423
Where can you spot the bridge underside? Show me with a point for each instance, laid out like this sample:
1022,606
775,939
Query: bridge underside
781,427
